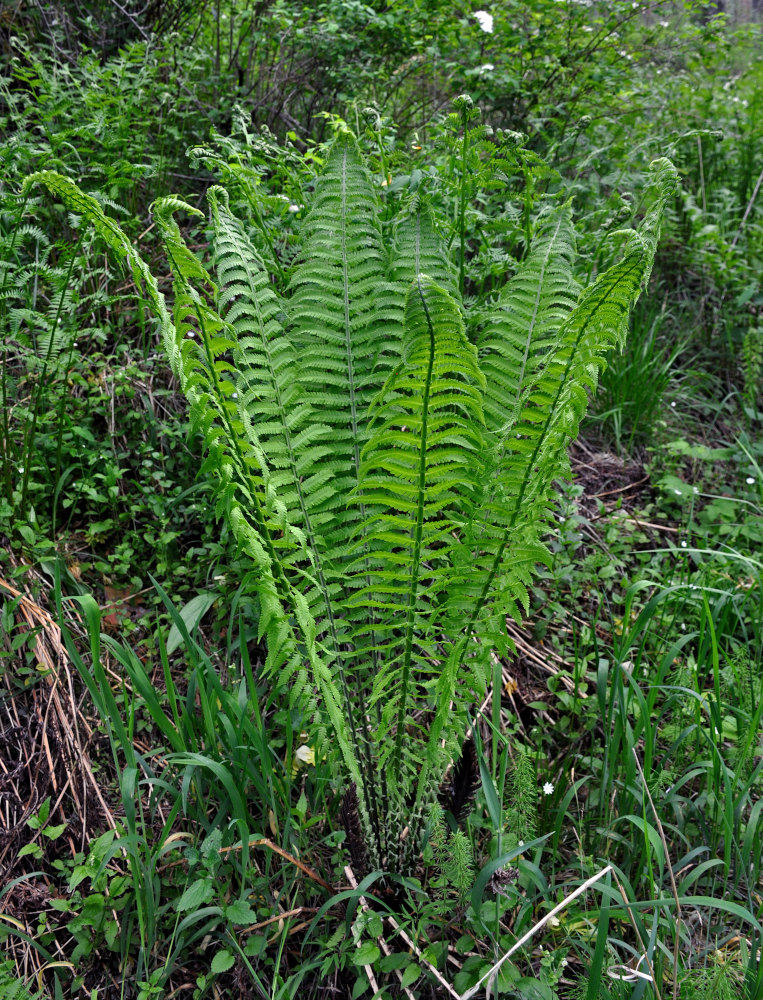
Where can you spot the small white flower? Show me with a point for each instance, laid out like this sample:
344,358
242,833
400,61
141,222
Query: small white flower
294,208
683,626
683,545
234,395
191,334
485,20
664,24
673,404
487,68
750,480
696,489
678,493
548,788
305,754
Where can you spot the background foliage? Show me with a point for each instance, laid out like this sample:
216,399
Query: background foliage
130,742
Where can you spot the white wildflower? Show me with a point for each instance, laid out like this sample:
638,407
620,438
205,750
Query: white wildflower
305,755
485,20
548,788
487,68
683,544
678,493
750,480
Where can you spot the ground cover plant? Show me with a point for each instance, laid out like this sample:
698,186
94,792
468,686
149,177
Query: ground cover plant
206,788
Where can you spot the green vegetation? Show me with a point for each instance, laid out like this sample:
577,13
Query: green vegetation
380,500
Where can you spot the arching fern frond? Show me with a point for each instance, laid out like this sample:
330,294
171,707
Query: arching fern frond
530,450
421,463
333,306
526,320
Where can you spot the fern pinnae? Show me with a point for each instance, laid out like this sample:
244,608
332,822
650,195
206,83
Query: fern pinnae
604,307
420,461
530,310
344,341
183,265
417,533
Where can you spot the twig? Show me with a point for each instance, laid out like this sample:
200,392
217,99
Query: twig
620,489
380,940
422,961
281,916
541,923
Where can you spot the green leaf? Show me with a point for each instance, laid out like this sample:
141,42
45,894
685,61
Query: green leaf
397,960
222,961
53,832
410,975
35,822
240,912
530,989
197,893
367,954
473,969
191,613
360,987
30,849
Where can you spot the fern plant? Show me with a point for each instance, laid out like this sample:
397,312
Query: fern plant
390,480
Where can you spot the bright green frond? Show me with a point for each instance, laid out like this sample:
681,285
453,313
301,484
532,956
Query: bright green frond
418,470
343,345
525,322
530,451
419,249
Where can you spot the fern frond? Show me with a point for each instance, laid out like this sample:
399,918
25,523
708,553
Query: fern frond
521,329
12,988
335,328
420,463
530,450
279,421
420,249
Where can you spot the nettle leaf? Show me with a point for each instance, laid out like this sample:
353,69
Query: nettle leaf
240,912
196,894
367,954
222,961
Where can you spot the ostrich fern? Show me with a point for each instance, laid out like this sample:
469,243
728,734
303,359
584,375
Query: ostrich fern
391,481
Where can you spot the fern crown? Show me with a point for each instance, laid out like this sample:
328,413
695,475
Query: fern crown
390,477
